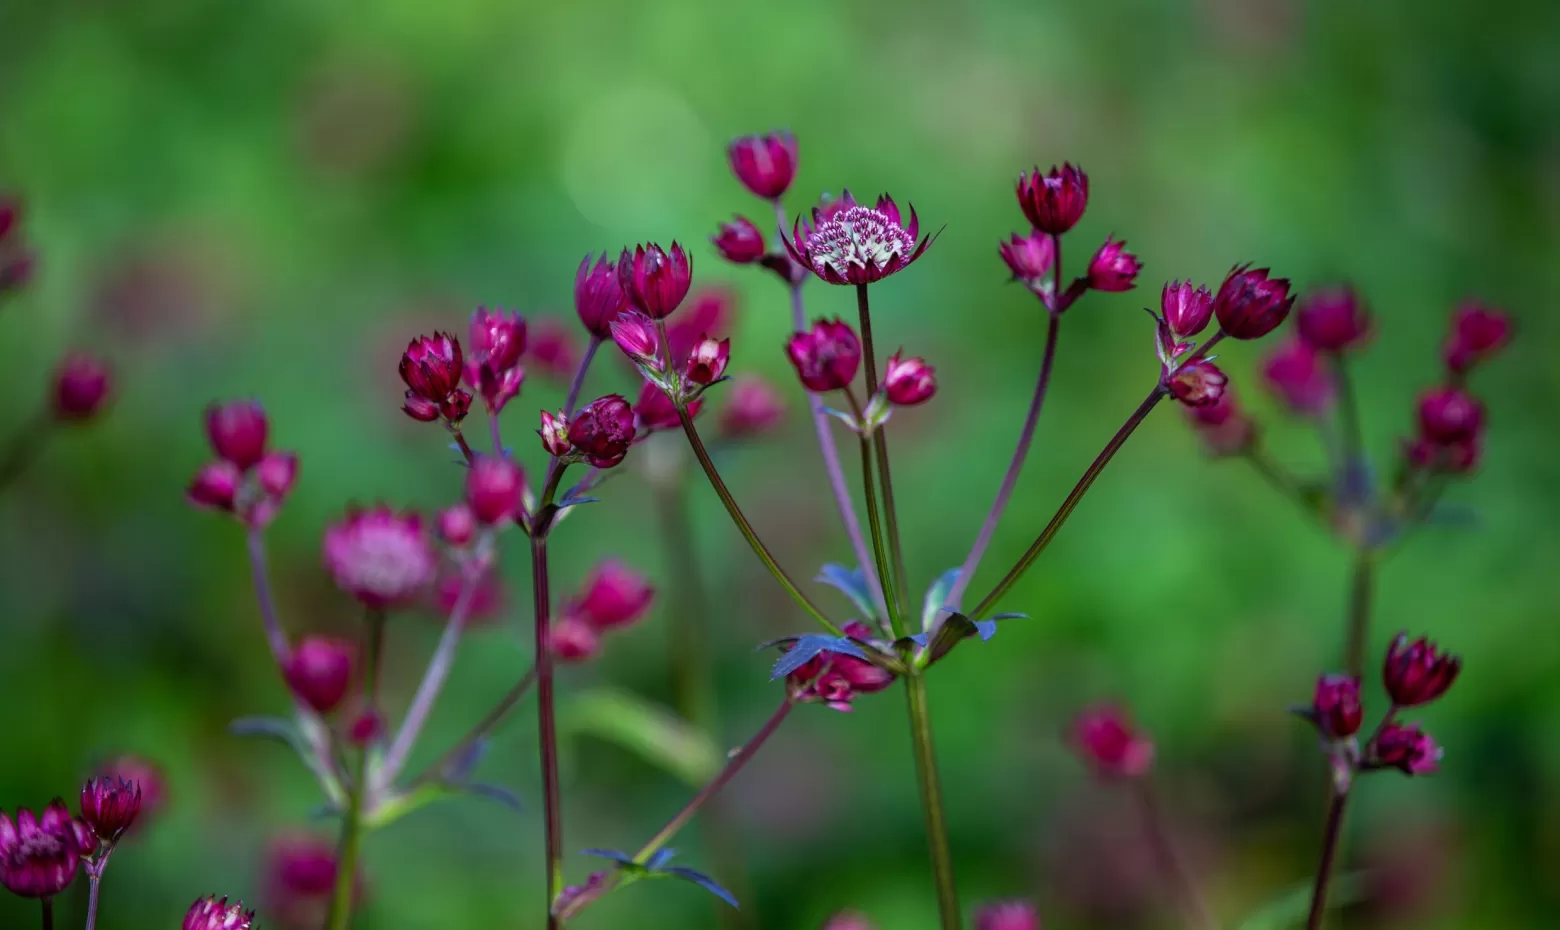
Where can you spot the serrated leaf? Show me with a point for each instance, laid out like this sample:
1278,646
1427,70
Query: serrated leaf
810,645
703,881
853,582
1291,908
937,597
645,729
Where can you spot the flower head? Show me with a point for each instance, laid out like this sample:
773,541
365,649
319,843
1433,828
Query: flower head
1250,304
555,433
39,855
851,243
1223,426
147,778
598,297
739,241
81,385
238,432
379,557
109,806
707,360
299,879
752,407
1406,747
603,430
1450,415
1299,376
550,349
637,336
494,487
214,913
1198,383
1105,739
1113,268
1031,259
764,164
827,356
432,367
574,640
613,596
1417,672
497,338
319,672
834,680
1335,708
1333,319
1007,915
1477,334
909,381
216,486
1055,201
1186,308
655,280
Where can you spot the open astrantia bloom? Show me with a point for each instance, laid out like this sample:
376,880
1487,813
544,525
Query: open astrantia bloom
850,243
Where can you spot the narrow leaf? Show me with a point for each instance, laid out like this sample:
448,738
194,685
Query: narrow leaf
492,792
659,858
954,629
703,881
613,854
810,645
1290,909
278,729
648,730
937,596
459,769
853,582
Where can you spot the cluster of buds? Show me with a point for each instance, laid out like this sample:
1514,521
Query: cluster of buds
1451,420
599,433
247,479
432,368
1249,304
827,357
493,367
613,597
1054,202
766,166
681,377
1414,674
40,854
833,679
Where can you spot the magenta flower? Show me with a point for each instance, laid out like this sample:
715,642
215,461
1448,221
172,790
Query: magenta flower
555,434
1406,747
1333,319
909,381
216,913
277,473
826,357
1250,304
1477,334
1445,458
740,242
613,596
834,680
16,262
655,281
573,640
147,778
432,367
1186,308
1450,415
764,164
1417,672
299,879
654,410
1299,376
1007,915
319,672
1222,426
109,806
603,430
497,338
494,487
707,360
752,407
1055,201
1198,383
598,297
1113,268
850,243
81,385
1335,708
485,603
707,312
1104,738
238,431
39,855
636,335
379,557
216,486
1030,258
551,350
457,525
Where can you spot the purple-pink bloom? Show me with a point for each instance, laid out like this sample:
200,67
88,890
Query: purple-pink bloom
1105,739
826,357
1007,915
603,430
81,385
319,671
1477,334
1450,415
432,366
707,360
598,296
1333,319
109,806
1031,259
39,855
613,596
216,486
1198,383
237,431
300,875
574,640
1250,304
1335,707
555,433
1187,308
214,913
655,280
654,410
1113,268
739,241
494,487
1417,672
1055,201
379,557
834,680
1298,374
752,406
636,335
550,348
497,338
850,243
1406,747
764,164
909,381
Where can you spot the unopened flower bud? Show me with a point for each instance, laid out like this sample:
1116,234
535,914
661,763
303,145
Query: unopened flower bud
555,433
1007,915
598,297
655,280
1477,333
573,640
550,349
909,381
764,164
277,473
216,486
1198,383
216,913
493,489
636,335
319,672
497,338
238,432
432,366
1055,201
1030,258
752,407
1407,748
740,242
613,596
826,357
1298,375
1105,740
420,408
1335,708
457,525
1417,672
1332,320
707,361
1450,415
1113,268
603,430
109,806
1186,308
1250,304
81,386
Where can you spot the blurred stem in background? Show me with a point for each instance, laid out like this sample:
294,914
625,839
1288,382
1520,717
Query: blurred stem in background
23,447
1158,835
691,671
352,820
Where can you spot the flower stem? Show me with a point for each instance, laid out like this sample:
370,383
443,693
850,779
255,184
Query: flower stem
489,720
1073,497
548,723
465,448
746,528
48,913
875,526
274,634
831,456
1005,491
352,824
1197,912
23,447
1351,477
931,802
894,585
1330,837
495,434
1360,587
578,383
94,872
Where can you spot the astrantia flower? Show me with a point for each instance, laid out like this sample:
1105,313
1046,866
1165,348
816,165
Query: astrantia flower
614,595
752,406
81,384
1250,304
1031,259
238,431
636,335
850,243
494,487
1335,707
909,381
493,366
379,557
707,360
216,913
598,297
550,349
1332,319
1299,375
573,640
216,486
109,806
1449,415
603,430
1477,334
1007,915
1113,268
834,680
555,433
1054,202
319,672
432,367
1417,672
826,357
739,241
1406,747
1197,384
655,280
300,877
1222,426
1186,308
39,855
1104,738
764,164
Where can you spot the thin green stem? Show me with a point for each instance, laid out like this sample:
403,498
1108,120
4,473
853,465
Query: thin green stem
482,727
746,528
1362,581
1071,501
875,530
1330,838
931,802
894,586
352,823
548,724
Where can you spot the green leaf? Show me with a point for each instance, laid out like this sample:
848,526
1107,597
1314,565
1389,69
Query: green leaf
1291,908
937,596
645,729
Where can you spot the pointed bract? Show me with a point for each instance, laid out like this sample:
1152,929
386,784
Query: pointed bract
1113,268
1417,672
909,381
1186,308
598,297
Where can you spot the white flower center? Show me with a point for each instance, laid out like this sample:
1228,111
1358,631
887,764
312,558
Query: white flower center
858,236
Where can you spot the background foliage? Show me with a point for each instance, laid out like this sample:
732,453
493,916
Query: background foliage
269,198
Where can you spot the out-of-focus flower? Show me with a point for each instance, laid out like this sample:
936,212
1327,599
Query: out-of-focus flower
214,913
216,486
81,386
1335,707
497,338
238,432
457,525
484,605
826,357
752,406
636,335
849,920
109,806
1223,426
739,241
299,879
1007,915
1186,308
1298,375
851,243
834,680
494,487
764,164
573,640
277,473
603,430
1105,739
654,279
1406,747
1198,383
1417,672
655,411
39,856
1250,304
550,349
1478,333
614,595
1054,202
379,557
598,296
909,381
1450,415
1333,319
319,672
1113,268
708,311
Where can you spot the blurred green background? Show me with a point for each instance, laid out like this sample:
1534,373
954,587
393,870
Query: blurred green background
269,199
